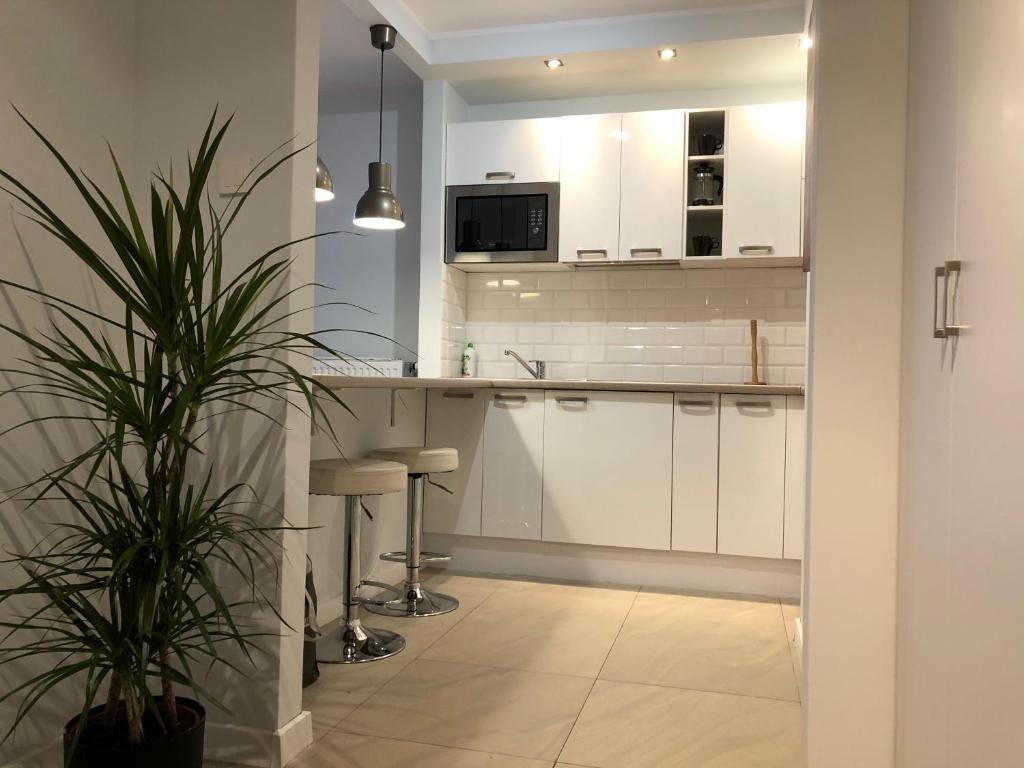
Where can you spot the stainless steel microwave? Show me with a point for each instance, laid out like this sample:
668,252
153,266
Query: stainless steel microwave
502,223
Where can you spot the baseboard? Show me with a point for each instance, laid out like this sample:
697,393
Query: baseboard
241,745
627,567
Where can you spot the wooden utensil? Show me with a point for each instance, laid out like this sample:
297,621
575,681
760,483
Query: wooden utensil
753,354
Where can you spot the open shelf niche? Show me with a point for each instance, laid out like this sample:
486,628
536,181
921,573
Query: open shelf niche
704,154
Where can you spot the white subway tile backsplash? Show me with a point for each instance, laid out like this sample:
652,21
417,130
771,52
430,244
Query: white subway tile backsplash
629,324
702,355
723,335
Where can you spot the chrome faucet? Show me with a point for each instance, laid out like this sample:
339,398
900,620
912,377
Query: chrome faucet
537,371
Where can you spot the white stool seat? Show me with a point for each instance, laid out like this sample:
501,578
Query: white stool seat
421,461
356,477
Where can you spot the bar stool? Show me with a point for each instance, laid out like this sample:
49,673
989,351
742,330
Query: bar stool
417,601
353,479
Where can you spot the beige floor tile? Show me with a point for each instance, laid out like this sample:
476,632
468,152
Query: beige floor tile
639,726
539,627
504,711
343,687
791,612
704,643
349,750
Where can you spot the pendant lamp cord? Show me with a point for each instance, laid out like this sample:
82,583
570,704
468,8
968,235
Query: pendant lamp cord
380,113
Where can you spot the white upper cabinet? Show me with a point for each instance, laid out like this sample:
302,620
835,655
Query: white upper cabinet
503,151
751,475
764,149
455,419
653,177
589,199
513,463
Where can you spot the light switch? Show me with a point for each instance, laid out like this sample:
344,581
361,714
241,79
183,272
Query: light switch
233,171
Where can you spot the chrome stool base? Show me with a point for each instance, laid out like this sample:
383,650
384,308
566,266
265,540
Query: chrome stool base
425,557
417,602
357,644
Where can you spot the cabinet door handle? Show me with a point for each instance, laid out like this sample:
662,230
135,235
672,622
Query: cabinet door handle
577,399
510,398
459,395
949,268
698,403
766,250
634,251
939,331
753,404
600,253
502,175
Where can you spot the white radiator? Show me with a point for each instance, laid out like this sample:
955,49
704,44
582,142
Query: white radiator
372,366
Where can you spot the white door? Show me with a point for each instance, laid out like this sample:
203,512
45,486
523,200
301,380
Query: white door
653,178
513,465
796,479
751,475
764,162
588,224
695,473
608,469
455,419
503,151
985,668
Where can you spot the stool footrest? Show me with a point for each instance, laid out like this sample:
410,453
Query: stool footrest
393,591
425,557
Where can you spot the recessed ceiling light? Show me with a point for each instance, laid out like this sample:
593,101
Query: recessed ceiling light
553,63
805,43
666,54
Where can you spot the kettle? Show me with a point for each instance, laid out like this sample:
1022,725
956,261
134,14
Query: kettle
704,180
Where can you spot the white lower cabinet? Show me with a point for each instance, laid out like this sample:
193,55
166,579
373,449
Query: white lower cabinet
796,473
751,475
513,456
608,469
695,473
455,419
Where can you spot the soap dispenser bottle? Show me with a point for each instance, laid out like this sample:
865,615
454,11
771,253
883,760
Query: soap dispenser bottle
469,361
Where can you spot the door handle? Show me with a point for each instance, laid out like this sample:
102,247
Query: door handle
767,250
502,175
459,395
634,251
944,330
510,398
938,331
753,404
583,253
698,403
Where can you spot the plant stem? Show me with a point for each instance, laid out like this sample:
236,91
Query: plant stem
134,719
113,698
168,703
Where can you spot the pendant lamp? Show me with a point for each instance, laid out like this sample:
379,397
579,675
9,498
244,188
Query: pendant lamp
378,208
324,183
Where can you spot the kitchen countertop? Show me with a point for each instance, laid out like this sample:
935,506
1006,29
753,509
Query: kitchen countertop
412,382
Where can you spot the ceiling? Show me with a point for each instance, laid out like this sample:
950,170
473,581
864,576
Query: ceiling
720,64
347,60
492,51
441,17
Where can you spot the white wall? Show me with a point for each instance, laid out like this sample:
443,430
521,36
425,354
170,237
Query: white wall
378,271
53,55
854,384
146,75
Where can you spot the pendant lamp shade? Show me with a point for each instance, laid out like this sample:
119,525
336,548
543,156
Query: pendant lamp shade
324,183
378,208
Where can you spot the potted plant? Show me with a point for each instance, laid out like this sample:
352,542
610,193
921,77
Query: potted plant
126,596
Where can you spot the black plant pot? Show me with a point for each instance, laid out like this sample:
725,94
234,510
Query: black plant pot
98,748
